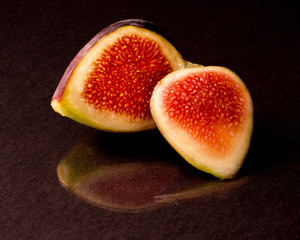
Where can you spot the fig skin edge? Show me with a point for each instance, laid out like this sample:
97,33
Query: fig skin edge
128,22
225,166
67,106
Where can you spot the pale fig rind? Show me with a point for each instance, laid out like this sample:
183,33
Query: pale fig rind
214,133
67,99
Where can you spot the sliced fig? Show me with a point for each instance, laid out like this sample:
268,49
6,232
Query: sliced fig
109,83
206,114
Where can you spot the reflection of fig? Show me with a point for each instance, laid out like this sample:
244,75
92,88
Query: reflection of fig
125,181
130,186
93,172
206,114
109,83
196,188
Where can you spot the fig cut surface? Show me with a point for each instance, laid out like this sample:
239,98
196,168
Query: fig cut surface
206,114
108,85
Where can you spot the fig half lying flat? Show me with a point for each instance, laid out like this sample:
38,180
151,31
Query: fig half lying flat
109,83
206,114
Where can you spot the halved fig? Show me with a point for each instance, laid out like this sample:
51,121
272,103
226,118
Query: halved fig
109,83
206,114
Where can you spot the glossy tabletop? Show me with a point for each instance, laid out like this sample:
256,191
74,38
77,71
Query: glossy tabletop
148,191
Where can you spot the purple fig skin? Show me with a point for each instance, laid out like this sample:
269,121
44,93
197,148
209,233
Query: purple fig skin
132,22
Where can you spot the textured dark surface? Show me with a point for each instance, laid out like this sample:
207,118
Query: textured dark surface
259,40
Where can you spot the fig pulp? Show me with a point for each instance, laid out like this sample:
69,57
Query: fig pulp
206,114
109,83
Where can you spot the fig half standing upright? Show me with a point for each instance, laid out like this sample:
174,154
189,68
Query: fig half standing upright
109,83
206,114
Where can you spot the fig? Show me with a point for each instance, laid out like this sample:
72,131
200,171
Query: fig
109,83
206,114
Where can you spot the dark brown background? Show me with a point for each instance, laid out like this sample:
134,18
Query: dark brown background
259,40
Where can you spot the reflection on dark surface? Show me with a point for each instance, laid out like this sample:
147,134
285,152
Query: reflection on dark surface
134,172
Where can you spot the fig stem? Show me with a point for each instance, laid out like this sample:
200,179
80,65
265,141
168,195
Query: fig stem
189,64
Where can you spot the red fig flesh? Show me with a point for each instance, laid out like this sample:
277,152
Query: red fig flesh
206,114
109,83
